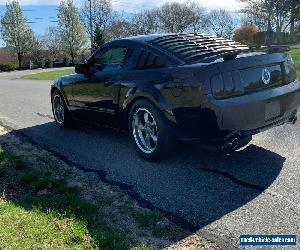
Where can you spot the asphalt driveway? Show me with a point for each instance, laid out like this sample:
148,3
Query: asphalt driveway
255,191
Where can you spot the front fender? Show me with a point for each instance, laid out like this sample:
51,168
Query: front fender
57,85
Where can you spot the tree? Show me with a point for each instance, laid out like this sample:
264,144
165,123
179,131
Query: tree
198,16
175,17
273,16
146,22
120,29
16,34
102,15
256,13
294,17
73,38
246,34
51,42
36,54
221,23
99,39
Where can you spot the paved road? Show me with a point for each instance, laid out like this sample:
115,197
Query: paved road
255,191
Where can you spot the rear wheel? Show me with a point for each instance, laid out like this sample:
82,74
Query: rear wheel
60,111
149,132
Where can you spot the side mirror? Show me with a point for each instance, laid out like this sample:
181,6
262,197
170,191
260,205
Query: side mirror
81,69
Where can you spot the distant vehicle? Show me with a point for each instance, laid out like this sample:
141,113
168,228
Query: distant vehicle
191,87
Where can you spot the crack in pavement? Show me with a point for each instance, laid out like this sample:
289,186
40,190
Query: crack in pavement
252,186
102,175
128,189
235,180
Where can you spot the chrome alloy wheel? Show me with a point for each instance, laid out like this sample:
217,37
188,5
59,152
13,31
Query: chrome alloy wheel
145,131
58,109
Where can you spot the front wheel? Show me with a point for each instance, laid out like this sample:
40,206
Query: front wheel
149,132
60,111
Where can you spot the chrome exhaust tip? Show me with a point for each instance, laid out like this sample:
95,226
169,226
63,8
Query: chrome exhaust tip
231,145
234,144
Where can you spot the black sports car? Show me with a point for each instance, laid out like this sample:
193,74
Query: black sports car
172,87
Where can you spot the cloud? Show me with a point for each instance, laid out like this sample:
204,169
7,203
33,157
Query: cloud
137,5
33,2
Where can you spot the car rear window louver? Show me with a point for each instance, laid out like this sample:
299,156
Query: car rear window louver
192,48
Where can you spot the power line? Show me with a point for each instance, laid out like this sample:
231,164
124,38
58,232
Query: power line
6,23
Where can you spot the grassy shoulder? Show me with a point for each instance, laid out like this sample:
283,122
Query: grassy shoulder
50,75
295,52
48,204
38,211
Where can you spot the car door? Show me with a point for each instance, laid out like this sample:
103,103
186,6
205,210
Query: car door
99,91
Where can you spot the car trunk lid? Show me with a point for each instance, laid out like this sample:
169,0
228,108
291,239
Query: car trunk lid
252,72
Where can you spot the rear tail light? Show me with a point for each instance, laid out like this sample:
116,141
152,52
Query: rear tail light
290,70
223,85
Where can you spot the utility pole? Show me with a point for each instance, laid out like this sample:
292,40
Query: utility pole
91,28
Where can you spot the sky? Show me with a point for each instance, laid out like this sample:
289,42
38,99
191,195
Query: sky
42,13
133,5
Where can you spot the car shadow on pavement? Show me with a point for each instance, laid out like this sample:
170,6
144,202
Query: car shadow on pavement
193,187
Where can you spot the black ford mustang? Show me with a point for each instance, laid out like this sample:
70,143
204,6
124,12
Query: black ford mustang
181,86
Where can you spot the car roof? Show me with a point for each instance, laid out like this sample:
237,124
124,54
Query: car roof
144,38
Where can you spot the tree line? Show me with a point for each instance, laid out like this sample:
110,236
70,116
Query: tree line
70,39
274,19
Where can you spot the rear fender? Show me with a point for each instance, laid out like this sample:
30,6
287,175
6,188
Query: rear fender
153,95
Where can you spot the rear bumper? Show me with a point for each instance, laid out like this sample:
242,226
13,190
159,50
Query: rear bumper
238,139
248,113
219,122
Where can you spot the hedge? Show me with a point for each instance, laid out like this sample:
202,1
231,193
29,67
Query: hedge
7,67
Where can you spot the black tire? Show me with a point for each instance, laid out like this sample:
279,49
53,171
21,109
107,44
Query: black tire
66,121
165,142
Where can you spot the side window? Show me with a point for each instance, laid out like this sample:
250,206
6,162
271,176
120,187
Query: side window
110,60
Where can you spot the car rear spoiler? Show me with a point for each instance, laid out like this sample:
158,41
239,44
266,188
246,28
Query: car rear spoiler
229,55
271,48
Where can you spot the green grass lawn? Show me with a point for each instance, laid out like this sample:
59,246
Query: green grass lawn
57,219
52,75
295,52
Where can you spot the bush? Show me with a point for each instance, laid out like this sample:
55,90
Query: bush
6,67
246,34
267,38
66,61
48,63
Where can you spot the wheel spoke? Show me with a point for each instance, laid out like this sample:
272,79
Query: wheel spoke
141,127
135,122
146,117
148,142
153,137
